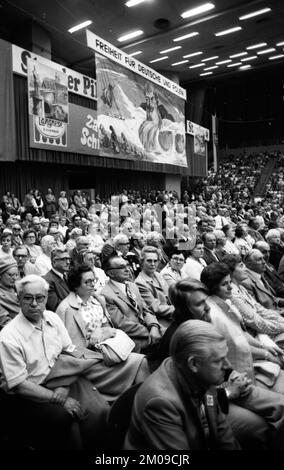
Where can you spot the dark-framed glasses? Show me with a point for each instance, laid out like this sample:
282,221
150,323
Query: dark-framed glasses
29,299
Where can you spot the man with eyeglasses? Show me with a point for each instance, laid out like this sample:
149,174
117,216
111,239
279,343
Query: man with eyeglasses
56,278
21,255
9,304
54,406
126,307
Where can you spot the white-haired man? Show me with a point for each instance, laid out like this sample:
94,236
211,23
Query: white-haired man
64,406
43,262
176,408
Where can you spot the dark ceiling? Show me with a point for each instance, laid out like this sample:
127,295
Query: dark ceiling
161,23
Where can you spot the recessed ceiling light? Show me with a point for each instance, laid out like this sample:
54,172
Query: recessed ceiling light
240,54
274,57
266,51
192,54
190,35
210,58
224,62
132,3
79,26
245,67
181,62
229,31
198,10
159,59
247,59
170,50
254,13
196,65
280,43
256,46
127,36
135,53
235,64
205,73
211,68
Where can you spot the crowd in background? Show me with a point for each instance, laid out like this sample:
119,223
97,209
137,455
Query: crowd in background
118,260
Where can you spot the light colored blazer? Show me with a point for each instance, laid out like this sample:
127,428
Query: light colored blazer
136,322
154,292
69,312
264,296
166,417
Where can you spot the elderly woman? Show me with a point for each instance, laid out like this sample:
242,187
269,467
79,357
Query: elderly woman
157,240
84,314
172,272
258,319
29,239
152,286
195,263
229,231
89,258
243,349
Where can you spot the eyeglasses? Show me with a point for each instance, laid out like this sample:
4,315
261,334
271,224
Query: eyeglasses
90,282
66,260
20,256
29,299
125,266
181,260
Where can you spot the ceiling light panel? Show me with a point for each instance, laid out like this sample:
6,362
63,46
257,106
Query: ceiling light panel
170,50
159,59
228,31
133,3
240,54
179,63
274,57
192,54
266,51
206,73
198,10
227,61
196,65
132,35
80,26
254,13
186,36
210,58
251,57
235,64
256,46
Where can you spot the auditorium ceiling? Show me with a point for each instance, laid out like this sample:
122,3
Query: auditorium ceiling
256,43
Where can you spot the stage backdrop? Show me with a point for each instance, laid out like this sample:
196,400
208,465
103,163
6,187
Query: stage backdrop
138,119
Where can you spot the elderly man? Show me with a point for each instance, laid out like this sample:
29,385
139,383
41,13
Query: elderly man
254,414
82,244
126,307
21,255
270,274
256,284
121,245
44,395
43,262
8,300
273,238
152,286
209,240
56,278
176,408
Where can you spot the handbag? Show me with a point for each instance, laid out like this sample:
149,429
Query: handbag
116,349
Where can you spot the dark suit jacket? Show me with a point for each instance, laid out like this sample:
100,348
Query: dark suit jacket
166,417
136,322
209,256
274,279
57,291
264,296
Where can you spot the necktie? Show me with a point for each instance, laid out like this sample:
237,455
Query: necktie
130,296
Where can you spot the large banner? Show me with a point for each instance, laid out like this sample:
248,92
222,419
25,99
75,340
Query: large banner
136,118
200,136
79,136
76,82
47,92
117,55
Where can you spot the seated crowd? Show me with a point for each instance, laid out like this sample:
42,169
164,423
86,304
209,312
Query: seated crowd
182,299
